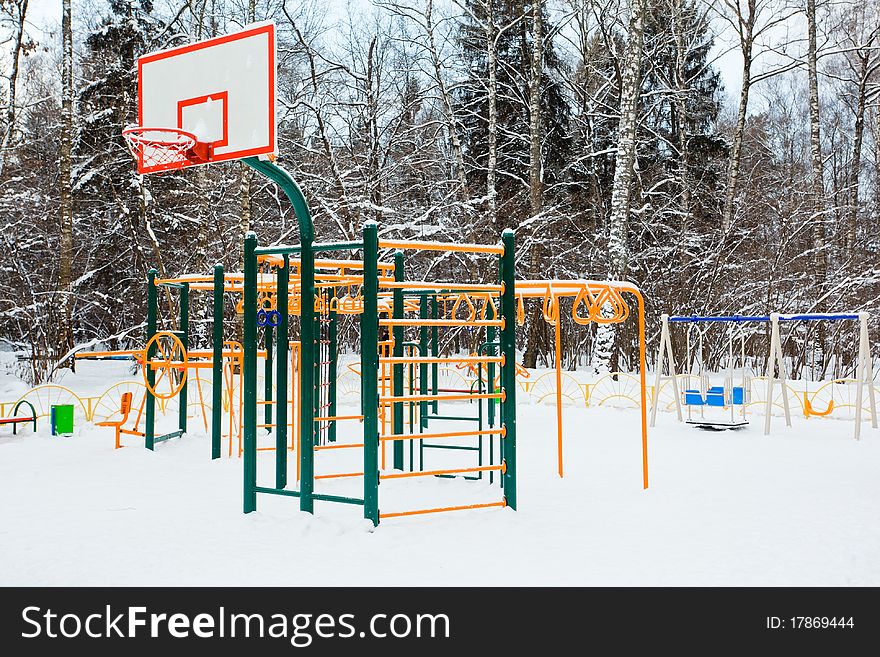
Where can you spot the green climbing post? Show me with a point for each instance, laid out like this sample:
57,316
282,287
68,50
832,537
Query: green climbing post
508,372
307,329
217,364
397,368
281,340
184,338
250,373
150,419
370,371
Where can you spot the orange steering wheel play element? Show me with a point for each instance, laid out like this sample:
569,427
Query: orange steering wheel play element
169,357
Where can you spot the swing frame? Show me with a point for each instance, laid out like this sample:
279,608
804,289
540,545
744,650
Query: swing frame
863,374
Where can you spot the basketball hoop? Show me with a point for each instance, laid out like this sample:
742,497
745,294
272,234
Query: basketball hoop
165,148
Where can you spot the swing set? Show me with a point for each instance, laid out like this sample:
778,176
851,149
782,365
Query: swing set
729,396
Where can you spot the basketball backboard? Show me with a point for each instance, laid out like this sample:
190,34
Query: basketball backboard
220,91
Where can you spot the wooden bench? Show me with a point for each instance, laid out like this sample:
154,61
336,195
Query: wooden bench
124,410
15,420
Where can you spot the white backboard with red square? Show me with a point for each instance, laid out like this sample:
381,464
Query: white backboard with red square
221,90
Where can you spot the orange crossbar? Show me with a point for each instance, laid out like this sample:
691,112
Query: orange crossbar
432,473
339,475
442,509
442,322
339,417
342,446
464,360
420,398
100,354
433,285
450,247
448,434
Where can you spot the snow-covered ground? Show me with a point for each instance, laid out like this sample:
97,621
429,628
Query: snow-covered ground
801,507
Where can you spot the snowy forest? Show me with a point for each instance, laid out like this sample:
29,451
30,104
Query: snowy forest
600,130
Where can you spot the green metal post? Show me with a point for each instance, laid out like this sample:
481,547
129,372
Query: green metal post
397,368
508,372
332,353
307,335
250,373
183,395
217,365
311,355
268,333
370,371
150,419
282,340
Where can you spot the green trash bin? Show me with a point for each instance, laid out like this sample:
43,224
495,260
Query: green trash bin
62,419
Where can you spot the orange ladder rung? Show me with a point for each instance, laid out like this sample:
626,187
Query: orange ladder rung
434,473
442,322
442,509
465,397
339,475
451,360
448,434
342,446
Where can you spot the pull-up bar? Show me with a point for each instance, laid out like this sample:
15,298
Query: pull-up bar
803,317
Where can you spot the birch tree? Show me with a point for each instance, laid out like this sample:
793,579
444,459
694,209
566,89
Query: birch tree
65,256
625,162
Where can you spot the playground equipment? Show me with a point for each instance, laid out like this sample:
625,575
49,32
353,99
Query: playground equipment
124,410
863,378
593,301
728,397
214,101
17,419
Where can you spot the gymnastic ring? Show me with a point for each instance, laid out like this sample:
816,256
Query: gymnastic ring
262,317
273,318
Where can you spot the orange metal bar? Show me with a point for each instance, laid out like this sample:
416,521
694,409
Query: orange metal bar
453,360
101,354
558,389
338,446
442,509
433,285
447,434
431,473
464,397
339,475
450,247
337,418
442,322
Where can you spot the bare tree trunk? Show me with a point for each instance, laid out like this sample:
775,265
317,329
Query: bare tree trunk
65,256
618,250
446,99
536,196
9,122
681,91
816,168
856,161
876,135
372,108
747,24
492,164
625,161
